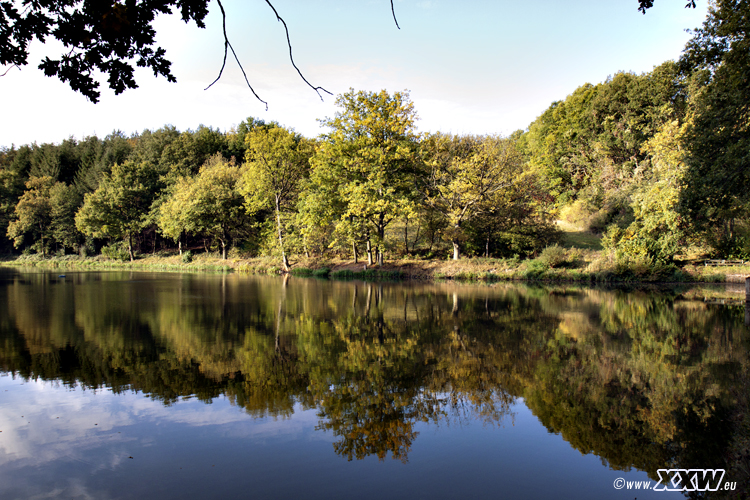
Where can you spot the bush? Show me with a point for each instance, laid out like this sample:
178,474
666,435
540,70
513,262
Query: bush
187,257
116,251
535,268
557,256
302,271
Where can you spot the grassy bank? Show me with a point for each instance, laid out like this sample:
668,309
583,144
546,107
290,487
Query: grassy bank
555,264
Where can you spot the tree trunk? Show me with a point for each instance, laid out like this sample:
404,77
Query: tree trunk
354,251
284,260
130,245
41,235
369,252
179,246
456,250
223,250
416,238
487,248
406,236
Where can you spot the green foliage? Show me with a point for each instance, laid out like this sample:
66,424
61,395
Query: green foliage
657,233
362,169
470,177
717,181
594,138
187,256
64,203
557,256
190,150
33,214
322,272
277,164
535,268
301,271
209,204
118,207
116,251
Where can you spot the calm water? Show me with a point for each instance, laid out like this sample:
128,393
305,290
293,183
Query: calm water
147,385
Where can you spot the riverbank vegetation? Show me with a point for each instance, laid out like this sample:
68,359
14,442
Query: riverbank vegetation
638,177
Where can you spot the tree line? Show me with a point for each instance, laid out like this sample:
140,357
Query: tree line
370,185
655,162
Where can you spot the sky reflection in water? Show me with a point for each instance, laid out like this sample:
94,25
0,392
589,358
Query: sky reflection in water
465,436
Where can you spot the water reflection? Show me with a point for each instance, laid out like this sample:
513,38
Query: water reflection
642,379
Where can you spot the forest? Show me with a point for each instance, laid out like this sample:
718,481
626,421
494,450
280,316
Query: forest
654,163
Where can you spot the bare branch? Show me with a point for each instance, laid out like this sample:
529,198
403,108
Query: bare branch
291,58
10,68
393,11
228,46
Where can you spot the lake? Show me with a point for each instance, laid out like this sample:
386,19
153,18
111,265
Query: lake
118,385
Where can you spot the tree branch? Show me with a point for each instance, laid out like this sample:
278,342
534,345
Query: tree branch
227,46
291,58
393,11
10,68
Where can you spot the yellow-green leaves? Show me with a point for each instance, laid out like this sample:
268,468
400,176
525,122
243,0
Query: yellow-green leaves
33,212
277,162
468,176
370,155
209,204
119,206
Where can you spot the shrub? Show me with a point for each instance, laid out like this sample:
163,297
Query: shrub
187,257
116,251
302,271
535,268
556,256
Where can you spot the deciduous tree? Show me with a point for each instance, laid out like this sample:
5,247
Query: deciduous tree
277,161
371,149
465,174
119,207
718,138
210,203
33,214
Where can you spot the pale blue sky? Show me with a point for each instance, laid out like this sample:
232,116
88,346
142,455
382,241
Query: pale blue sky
480,67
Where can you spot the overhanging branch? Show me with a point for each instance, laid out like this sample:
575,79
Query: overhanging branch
291,57
228,46
393,11
10,68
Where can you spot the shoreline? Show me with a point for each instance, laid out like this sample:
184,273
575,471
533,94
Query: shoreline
464,270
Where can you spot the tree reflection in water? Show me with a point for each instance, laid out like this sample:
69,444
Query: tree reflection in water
641,379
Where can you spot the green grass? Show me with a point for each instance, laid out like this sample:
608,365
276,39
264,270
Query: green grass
574,237
581,239
148,264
